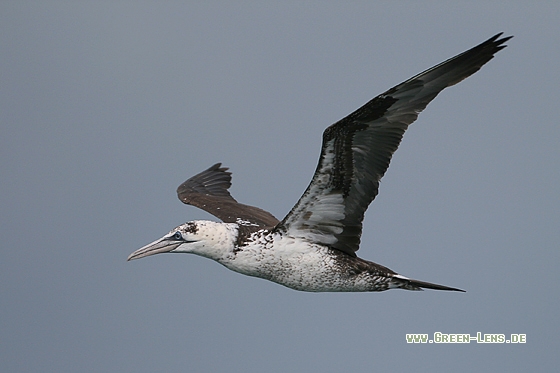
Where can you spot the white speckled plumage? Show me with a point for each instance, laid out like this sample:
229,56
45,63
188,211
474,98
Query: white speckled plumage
289,261
314,247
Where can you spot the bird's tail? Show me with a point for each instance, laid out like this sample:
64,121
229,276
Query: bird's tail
402,282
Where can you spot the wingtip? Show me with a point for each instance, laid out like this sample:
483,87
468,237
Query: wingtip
217,167
497,41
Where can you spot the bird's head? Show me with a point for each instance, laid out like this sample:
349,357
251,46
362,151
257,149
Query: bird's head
204,238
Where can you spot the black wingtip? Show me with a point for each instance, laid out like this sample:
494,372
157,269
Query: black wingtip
498,43
502,40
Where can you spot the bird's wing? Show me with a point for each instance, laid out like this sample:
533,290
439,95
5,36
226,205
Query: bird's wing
357,150
208,191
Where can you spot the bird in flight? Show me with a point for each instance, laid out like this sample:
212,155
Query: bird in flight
314,247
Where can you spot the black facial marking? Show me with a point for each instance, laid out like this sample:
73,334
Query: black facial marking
191,228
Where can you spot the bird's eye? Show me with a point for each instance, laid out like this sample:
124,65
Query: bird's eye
178,236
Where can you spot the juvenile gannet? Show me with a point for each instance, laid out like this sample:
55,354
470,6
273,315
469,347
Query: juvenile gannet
314,247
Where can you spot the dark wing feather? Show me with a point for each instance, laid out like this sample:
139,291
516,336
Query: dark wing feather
208,191
357,150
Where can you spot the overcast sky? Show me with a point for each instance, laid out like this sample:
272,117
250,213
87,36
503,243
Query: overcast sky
106,107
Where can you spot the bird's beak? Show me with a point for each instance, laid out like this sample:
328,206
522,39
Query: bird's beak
163,245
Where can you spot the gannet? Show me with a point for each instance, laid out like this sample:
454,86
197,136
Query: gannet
314,247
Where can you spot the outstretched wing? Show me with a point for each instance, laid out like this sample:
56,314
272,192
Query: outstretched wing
357,150
208,191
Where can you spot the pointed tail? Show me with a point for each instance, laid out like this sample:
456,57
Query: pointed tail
402,282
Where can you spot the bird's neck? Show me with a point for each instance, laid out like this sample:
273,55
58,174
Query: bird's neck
217,240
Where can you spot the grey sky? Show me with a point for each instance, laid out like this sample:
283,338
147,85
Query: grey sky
105,108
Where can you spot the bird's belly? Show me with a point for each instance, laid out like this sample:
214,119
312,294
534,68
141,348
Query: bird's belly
301,267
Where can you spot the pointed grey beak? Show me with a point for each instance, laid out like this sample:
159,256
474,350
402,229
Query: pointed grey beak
163,245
